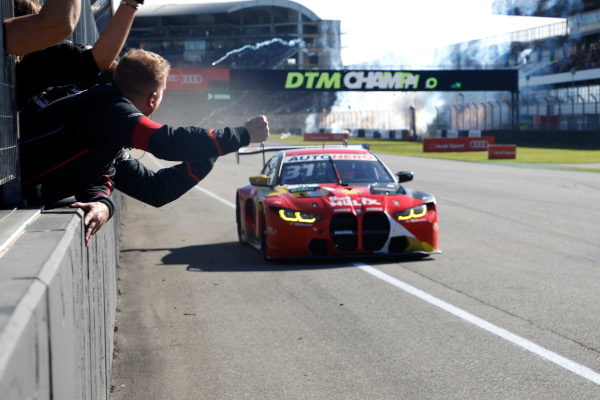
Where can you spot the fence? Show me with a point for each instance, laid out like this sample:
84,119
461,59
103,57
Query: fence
85,32
8,120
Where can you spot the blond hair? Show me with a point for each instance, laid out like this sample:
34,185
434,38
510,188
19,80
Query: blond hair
140,72
26,7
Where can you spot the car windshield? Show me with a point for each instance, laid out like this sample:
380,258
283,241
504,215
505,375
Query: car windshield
352,172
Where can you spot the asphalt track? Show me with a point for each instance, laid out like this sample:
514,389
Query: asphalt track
510,310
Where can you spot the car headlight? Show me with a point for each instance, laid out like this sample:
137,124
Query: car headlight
298,216
414,212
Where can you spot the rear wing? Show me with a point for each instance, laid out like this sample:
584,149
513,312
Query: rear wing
262,149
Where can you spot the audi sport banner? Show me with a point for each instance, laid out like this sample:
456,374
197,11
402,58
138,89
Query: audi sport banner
374,80
502,152
197,78
457,144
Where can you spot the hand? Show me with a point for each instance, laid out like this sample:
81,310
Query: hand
96,215
258,129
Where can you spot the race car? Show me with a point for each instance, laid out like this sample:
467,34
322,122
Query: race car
334,201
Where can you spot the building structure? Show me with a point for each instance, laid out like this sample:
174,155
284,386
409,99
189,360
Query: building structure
256,34
200,39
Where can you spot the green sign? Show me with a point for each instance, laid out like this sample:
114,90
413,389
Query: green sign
218,96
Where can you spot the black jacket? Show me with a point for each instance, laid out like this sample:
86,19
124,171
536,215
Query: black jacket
68,146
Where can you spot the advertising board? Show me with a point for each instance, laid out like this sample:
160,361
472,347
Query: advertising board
431,145
502,152
325,137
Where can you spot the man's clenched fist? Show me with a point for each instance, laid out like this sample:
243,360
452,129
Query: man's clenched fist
258,129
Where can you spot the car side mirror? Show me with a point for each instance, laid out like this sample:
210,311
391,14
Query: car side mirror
260,180
405,176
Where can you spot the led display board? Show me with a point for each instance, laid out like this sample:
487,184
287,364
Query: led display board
375,80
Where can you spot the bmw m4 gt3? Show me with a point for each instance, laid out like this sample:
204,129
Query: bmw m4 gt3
334,201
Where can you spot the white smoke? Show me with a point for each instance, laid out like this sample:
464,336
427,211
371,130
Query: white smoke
257,46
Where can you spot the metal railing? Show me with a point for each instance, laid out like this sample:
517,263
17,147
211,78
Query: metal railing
8,120
85,32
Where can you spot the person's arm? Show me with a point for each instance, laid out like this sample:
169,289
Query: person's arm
96,213
162,187
193,143
111,41
97,204
55,22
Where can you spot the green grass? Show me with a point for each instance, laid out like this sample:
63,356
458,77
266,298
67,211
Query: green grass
526,156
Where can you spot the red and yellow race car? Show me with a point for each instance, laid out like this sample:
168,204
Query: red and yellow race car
334,201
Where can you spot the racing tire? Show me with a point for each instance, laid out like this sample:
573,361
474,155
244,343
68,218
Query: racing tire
263,237
238,218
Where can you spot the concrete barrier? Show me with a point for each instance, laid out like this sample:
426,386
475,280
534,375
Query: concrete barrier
57,308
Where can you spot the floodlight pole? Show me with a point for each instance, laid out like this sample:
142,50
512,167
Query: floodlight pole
514,109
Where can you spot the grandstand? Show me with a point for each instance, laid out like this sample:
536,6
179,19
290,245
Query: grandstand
559,68
545,8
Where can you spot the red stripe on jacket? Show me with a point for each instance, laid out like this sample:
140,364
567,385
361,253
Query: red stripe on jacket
190,173
142,133
110,184
210,132
57,166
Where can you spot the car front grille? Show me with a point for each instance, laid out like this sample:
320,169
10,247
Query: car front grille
344,231
375,231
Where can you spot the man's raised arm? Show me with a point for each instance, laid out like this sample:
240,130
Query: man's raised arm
111,41
55,22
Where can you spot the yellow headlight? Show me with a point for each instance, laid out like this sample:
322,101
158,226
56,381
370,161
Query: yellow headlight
415,212
297,216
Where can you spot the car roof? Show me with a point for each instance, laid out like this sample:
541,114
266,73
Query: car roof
327,150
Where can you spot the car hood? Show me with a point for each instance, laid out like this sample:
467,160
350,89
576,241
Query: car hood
375,197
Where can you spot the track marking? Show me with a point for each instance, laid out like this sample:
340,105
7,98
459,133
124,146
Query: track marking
557,359
519,341
214,196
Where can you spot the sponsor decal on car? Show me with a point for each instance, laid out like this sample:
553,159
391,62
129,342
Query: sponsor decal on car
302,188
347,201
308,157
350,191
327,157
368,157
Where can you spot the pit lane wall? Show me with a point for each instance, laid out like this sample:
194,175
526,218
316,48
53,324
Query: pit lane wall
57,308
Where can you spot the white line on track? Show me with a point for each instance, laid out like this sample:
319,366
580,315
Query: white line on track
525,344
519,341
